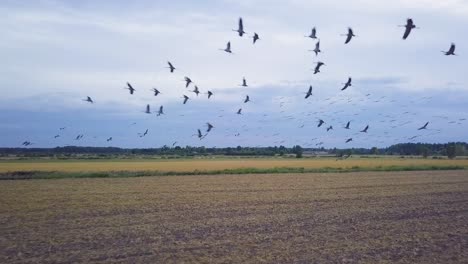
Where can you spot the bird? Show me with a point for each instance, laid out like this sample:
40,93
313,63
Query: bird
175,142
156,91
109,139
317,67
188,81
56,136
62,128
144,134
409,26
365,129
228,48
347,125
244,82
255,38
347,84
161,111
196,91
88,99
26,143
349,140
209,94
349,35
239,112
130,88
317,48
321,122
240,28
309,92
186,98
451,51
424,127
313,34
210,126
171,67
200,135
247,99
329,128
148,110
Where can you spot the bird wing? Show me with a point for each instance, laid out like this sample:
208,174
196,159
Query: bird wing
348,38
241,25
407,31
452,48
228,46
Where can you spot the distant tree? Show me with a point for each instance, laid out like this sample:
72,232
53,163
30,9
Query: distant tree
425,152
298,151
374,151
451,151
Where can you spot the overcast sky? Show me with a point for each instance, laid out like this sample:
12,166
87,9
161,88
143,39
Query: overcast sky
55,53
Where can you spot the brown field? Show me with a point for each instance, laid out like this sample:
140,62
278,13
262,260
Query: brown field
367,217
217,164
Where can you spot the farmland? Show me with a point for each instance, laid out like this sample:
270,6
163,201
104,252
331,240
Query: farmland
365,217
217,164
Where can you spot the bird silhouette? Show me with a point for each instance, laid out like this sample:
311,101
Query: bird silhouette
424,127
329,128
244,82
451,50
188,81
347,84
408,27
321,122
209,94
365,129
171,67
161,110
156,91
210,126
255,38
185,98
239,112
130,88
89,100
109,139
313,34
317,67
196,91
228,48
247,99
349,35
347,125
349,140
148,110
240,28
316,50
309,92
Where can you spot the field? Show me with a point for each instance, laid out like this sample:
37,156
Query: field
219,164
365,217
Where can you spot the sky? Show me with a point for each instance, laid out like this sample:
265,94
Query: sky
56,53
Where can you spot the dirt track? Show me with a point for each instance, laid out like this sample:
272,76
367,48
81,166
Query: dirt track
386,217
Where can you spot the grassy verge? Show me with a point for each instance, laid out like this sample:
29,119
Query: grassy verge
22,175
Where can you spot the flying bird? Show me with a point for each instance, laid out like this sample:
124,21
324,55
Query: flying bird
210,126
148,110
317,48
244,82
424,127
188,81
347,125
171,67
240,28
365,129
209,94
56,136
313,34
329,128
247,99
451,51
228,48
255,38
200,135
196,91
347,84
349,140
88,99
144,134
161,111
130,88
408,27
156,91
321,122
349,35
317,67
309,92
109,139
239,112
185,98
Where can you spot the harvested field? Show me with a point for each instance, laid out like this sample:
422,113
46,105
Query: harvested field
217,164
367,217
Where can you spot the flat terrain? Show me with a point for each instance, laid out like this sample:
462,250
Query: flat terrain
217,164
366,217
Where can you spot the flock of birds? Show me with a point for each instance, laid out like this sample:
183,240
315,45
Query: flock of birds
201,134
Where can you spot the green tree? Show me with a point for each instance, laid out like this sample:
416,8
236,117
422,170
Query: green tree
425,152
374,151
451,151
